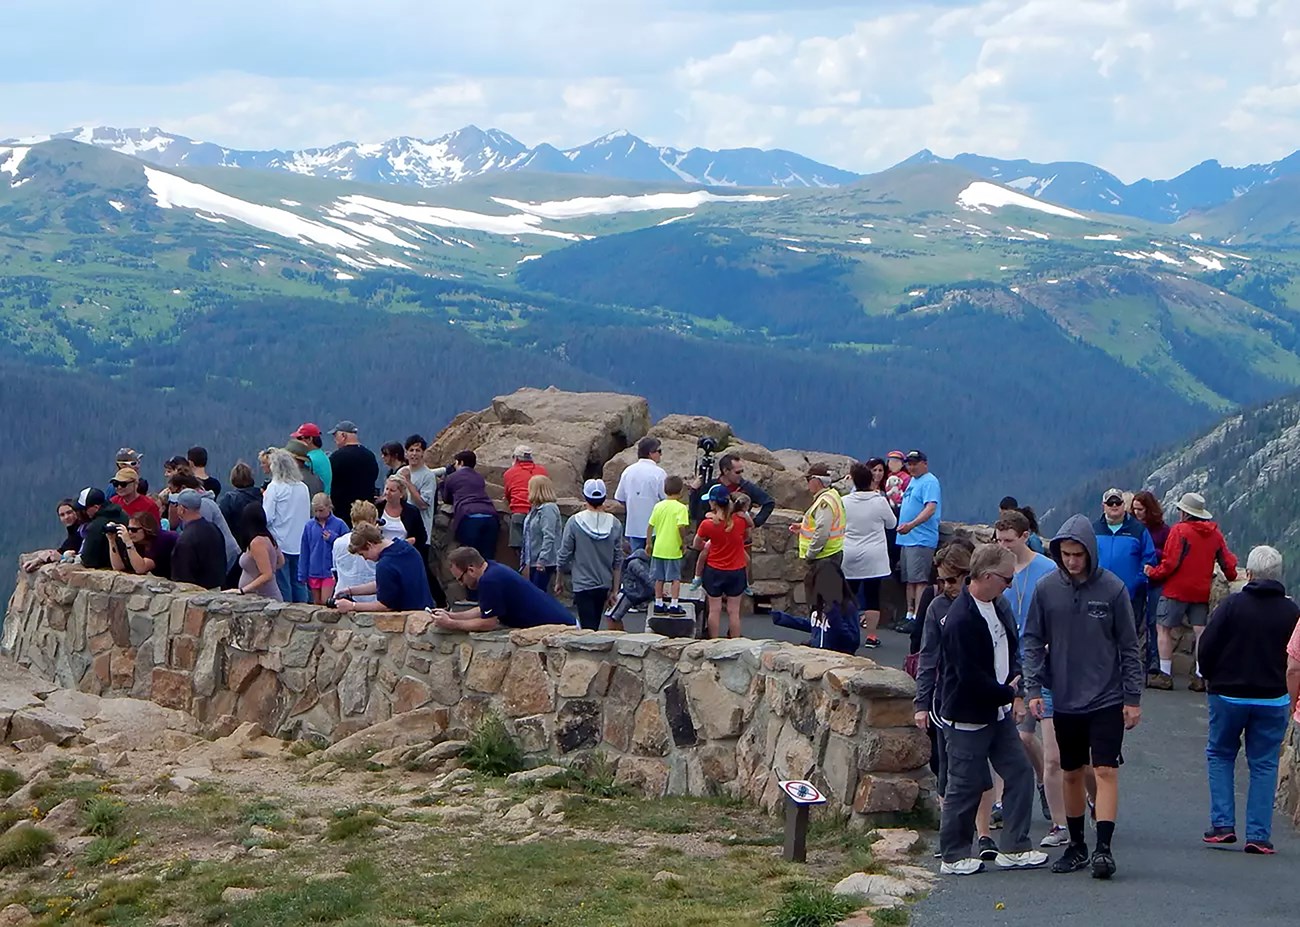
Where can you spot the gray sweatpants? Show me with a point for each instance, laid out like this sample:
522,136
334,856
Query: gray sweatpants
969,756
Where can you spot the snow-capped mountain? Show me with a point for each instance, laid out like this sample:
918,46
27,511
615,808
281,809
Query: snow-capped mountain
1087,187
472,152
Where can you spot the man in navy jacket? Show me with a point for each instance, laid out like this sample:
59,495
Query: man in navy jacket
981,705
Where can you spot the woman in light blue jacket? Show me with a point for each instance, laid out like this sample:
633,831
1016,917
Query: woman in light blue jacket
542,526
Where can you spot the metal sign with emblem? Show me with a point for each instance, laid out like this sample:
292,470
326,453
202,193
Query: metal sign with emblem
800,795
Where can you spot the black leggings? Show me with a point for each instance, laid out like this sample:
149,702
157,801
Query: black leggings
590,604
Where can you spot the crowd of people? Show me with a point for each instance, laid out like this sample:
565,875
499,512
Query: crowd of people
1030,659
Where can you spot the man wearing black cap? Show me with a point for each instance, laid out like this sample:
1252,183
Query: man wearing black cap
99,514
918,529
355,470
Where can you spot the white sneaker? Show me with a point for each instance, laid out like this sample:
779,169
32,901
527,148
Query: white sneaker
911,617
1056,837
1030,859
965,867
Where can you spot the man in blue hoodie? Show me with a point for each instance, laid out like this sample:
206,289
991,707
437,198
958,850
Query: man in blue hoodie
1124,547
1081,643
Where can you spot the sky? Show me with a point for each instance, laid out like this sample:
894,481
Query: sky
1143,88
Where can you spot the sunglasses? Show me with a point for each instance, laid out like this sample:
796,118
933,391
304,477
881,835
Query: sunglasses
951,580
134,528
1112,503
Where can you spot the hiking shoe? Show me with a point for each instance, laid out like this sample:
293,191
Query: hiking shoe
995,819
1056,837
1073,859
675,610
696,582
871,643
988,849
962,867
1196,684
1260,847
1220,835
1029,859
1103,864
1042,802
1160,681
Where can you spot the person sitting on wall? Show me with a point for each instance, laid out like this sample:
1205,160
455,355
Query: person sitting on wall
505,598
401,581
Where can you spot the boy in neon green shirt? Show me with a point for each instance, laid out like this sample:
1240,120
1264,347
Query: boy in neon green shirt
666,543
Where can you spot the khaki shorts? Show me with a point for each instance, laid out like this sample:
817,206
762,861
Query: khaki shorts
915,564
1170,613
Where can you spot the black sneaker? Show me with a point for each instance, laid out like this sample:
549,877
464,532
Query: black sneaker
674,610
988,849
871,643
1220,835
1073,859
1103,864
1042,802
1260,847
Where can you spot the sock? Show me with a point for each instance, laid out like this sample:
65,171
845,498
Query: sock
659,602
1076,828
1167,667
1105,831
674,600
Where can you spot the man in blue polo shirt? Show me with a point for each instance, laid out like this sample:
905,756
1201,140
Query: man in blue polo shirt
505,598
401,581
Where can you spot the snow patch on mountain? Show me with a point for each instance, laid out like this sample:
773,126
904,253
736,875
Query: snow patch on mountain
982,196
1107,237
612,205
11,159
446,217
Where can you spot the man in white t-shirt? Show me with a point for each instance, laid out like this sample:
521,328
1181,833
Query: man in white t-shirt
640,488
980,704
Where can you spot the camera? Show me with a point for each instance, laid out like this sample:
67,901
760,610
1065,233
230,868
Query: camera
704,458
332,601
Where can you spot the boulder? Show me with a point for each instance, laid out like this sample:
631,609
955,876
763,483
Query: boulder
411,727
571,434
50,726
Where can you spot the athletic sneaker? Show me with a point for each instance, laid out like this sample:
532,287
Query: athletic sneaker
1260,847
1103,864
1029,859
697,581
1196,684
871,643
988,849
1042,803
962,867
1160,681
1073,859
995,819
910,619
749,590
675,610
1056,837
1220,835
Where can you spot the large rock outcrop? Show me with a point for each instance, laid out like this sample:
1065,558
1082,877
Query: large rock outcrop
675,716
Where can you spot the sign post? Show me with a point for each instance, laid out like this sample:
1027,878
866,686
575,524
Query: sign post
800,795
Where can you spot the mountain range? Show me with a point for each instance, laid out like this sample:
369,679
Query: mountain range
473,152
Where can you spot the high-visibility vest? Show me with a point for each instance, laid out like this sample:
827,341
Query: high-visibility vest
808,530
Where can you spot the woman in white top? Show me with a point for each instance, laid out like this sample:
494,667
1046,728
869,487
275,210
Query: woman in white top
287,503
352,570
867,515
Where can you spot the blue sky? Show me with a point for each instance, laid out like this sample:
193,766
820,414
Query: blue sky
1140,87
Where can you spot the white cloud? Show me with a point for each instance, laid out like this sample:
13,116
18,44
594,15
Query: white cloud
1141,87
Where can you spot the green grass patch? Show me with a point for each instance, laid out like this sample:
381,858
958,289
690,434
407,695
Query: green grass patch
10,781
106,850
491,749
24,846
352,822
811,905
102,817
892,917
263,813
346,900
51,793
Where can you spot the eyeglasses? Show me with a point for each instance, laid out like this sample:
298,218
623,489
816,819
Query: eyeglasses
1006,579
952,580
458,576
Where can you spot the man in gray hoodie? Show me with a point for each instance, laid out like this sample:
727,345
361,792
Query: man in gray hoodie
591,552
1080,642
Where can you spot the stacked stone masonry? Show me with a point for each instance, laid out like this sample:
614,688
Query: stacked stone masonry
676,716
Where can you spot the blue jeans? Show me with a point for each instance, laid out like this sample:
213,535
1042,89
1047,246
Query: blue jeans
1265,727
479,532
292,589
1152,655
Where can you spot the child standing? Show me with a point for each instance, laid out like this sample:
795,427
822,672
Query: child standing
316,559
666,544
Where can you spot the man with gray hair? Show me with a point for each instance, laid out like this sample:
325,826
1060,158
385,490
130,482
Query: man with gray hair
981,703
640,488
1243,655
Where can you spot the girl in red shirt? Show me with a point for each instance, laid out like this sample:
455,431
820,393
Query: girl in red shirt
722,536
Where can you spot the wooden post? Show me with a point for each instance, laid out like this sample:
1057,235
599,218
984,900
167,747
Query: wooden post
796,832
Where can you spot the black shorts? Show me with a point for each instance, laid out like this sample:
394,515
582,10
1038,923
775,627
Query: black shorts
719,583
1096,737
867,592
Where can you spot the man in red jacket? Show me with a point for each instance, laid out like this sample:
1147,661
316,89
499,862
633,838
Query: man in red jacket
515,483
1186,568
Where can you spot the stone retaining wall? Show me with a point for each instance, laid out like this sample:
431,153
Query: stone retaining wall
676,716
1288,783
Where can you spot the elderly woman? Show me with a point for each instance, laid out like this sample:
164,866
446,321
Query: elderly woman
287,504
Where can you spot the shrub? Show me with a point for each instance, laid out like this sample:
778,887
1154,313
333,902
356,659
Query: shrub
492,750
10,781
349,822
24,846
811,905
102,816
106,849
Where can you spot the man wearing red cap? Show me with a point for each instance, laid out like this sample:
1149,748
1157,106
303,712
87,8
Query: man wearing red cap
319,462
